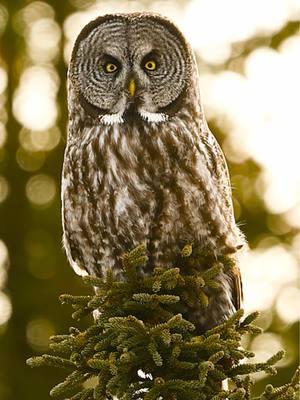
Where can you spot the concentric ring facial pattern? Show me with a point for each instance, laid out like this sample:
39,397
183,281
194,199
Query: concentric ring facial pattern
129,40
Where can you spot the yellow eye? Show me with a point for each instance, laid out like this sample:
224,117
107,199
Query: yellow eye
150,65
110,67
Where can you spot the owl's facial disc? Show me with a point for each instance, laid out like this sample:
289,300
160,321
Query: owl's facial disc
130,65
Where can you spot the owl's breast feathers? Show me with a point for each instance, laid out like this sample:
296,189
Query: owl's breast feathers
164,185
140,163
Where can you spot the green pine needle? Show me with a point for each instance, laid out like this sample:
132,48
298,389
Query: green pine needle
143,347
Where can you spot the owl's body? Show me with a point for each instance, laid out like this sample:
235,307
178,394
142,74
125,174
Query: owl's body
141,166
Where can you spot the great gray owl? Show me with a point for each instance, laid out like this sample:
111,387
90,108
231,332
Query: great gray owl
141,165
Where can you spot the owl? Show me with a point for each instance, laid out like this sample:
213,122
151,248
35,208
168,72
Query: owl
141,165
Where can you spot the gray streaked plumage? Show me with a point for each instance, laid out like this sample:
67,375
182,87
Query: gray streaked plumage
141,165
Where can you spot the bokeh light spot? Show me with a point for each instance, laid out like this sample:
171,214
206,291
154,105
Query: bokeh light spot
31,13
30,161
5,308
265,272
4,263
296,246
265,345
3,80
46,140
254,17
34,103
4,189
3,111
3,134
39,140
288,304
259,123
277,224
43,40
292,217
265,319
41,190
38,331
3,255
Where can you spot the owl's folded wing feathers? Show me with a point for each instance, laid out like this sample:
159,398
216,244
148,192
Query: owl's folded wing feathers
219,168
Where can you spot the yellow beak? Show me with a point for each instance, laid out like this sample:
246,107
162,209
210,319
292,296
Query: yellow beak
131,87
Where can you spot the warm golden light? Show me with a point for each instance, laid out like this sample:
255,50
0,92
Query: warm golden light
260,121
5,303
41,190
3,134
213,35
45,140
4,263
4,189
3,18
265,345
34,102
30,161
266,271
3,80
287,304
249,80
38,331
43,40
5,308
249,102
31,13
39,140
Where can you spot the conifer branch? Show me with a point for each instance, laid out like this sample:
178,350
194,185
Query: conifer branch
142,345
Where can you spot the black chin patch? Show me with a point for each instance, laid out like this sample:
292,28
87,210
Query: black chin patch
131,115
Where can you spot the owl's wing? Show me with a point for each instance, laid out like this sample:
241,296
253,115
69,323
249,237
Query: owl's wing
72,254
219,170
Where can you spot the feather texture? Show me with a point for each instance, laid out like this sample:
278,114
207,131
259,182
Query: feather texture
157,177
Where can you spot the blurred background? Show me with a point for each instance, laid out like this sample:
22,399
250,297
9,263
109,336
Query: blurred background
248,53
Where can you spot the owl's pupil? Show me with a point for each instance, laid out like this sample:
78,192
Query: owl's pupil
110,67
150,65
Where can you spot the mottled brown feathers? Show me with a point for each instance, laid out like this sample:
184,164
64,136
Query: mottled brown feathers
143,169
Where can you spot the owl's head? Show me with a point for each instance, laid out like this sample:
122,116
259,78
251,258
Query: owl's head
130,64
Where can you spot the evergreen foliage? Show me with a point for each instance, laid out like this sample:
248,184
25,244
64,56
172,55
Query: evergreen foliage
142,345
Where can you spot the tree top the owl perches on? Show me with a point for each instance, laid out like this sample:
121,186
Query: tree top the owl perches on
142,345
